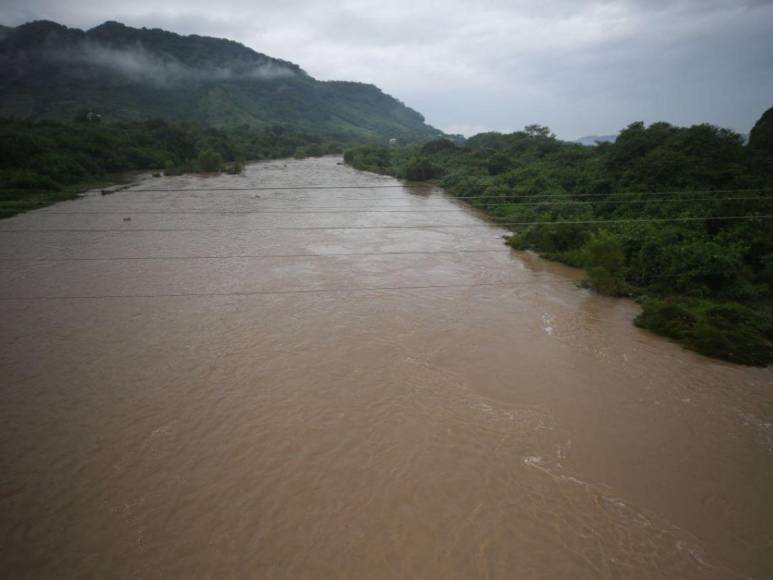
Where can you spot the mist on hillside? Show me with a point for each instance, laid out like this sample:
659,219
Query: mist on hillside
139,65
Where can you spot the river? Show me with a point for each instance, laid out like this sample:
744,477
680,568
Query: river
355,382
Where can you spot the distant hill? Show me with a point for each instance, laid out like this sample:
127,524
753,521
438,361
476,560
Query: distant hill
50,71
592,139
761,136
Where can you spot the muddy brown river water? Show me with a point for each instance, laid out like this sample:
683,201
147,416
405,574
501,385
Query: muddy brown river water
334,383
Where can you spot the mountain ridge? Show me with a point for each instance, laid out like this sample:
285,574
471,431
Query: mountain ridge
128,74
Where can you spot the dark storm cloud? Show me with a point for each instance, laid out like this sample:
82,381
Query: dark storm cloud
580,67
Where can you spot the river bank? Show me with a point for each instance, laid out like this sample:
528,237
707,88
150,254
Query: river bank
699,266
42,162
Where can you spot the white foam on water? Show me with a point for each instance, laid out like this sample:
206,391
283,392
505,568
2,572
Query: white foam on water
682,541
534,460
547,324
764,429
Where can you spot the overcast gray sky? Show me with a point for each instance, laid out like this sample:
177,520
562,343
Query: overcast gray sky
580,67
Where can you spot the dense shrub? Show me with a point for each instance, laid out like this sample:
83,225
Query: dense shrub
47,160
729,331
420,169
604,258
210,161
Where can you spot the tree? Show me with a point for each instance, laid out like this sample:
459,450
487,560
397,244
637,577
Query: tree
761,135
604,258
420,169
210,161
538,131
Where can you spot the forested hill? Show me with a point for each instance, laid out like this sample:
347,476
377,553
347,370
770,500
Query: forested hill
50,71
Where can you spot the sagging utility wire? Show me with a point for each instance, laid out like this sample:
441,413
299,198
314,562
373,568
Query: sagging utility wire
347,210
405,227
254,256
254,292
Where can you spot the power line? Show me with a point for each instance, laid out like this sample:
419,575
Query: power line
247,212
283,188
607,200
347,210
430,186
285,291
484,197
256,292
502,285
405,227
252,256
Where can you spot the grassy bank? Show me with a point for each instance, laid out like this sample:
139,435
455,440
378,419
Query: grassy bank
646,217
45,162
15,201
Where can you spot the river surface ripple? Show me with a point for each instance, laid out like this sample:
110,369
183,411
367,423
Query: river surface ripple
447,414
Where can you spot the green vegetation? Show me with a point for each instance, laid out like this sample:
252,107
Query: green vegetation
706,283
47,161
210,161
124,74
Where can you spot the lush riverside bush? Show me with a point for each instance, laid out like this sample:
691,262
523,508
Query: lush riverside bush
46,161
210,161
704,282
725,330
